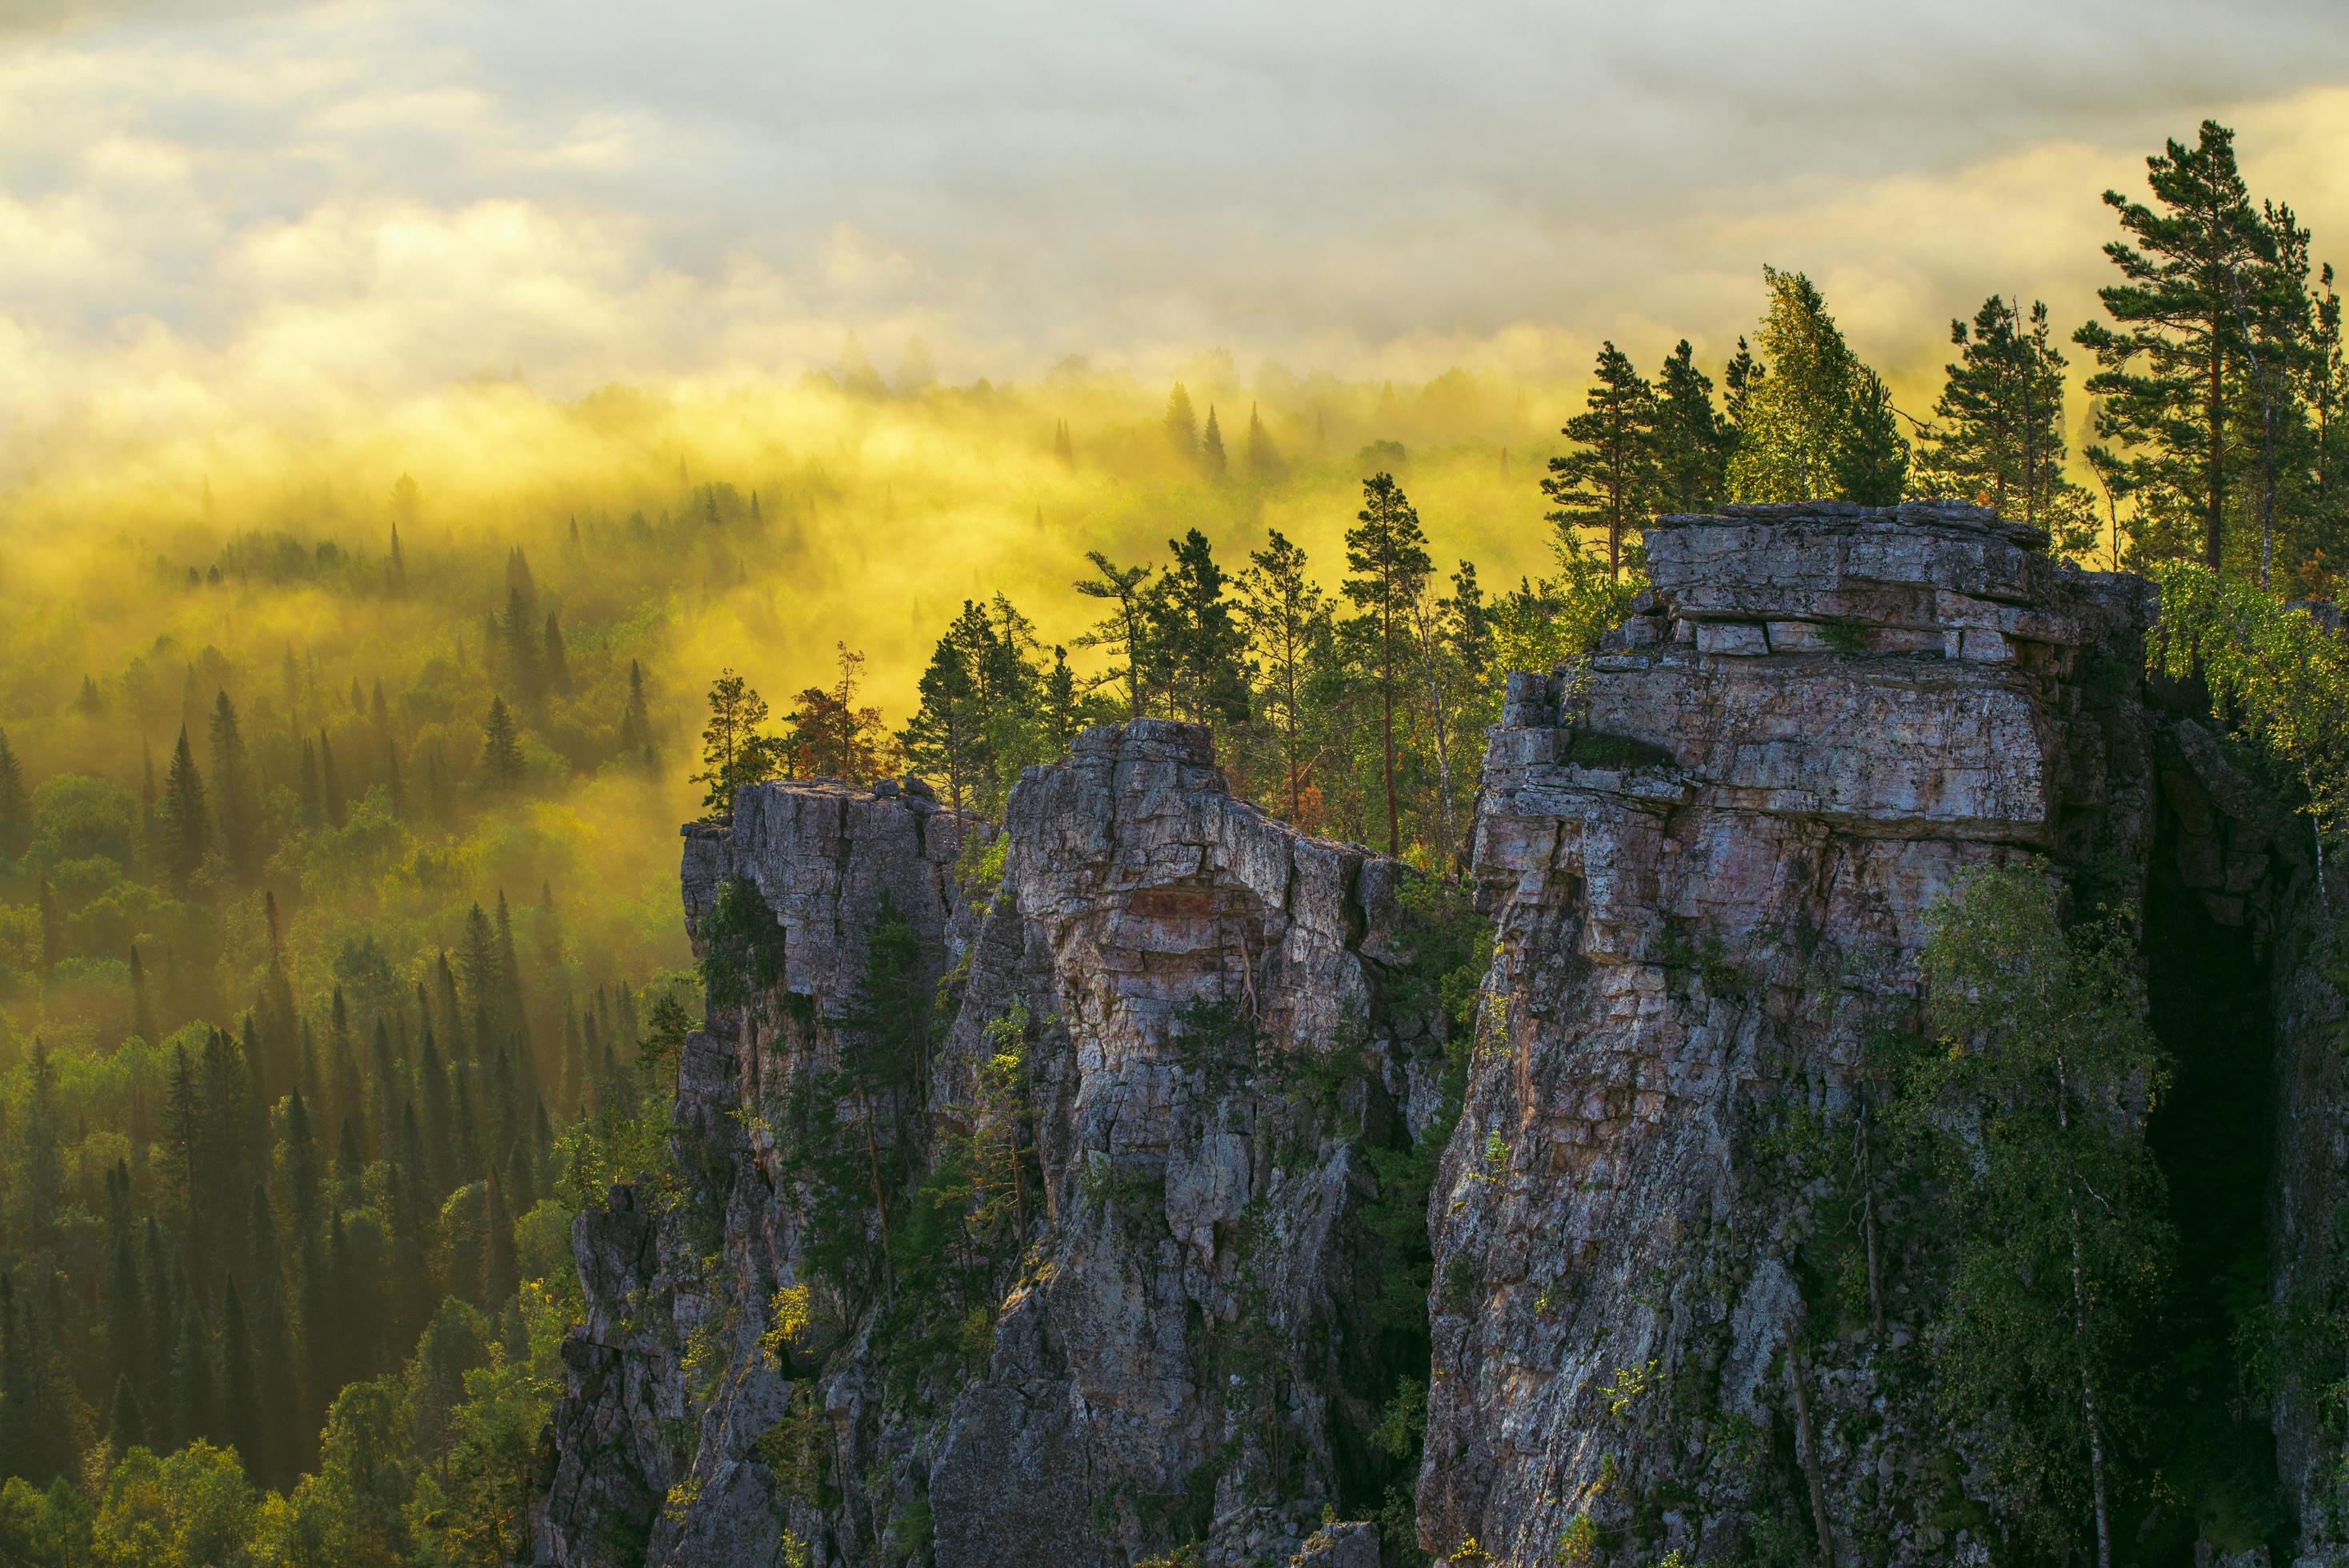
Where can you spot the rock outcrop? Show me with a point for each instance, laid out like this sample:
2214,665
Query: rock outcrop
1203,1059
1707,857
1175,1340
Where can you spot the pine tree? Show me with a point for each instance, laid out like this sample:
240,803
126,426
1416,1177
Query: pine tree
1211,448
2173,381
1124,632
1693,439
502,759
1609,481
1387,553
1063,447
1286,617
187,821
1182,425
734,751
1818,420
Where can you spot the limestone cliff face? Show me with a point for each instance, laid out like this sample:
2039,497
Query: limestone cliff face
1707,859
1668,1295
1178,1346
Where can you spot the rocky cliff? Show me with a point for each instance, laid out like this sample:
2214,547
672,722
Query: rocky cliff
1172,1338
1164,1170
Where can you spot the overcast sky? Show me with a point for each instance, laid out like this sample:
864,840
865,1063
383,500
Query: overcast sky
209,202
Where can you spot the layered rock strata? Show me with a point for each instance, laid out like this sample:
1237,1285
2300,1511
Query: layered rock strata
1707,857
1669,1306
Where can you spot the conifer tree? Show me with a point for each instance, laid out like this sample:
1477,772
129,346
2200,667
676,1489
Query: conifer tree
233,797
1609,480
330,783
1693,439
1182,425
1203,650
1387,553
635,716
1124,632
126,1425
557,664
1263,462
194,1388
733,750
240,1385
945,735
1212,461
1997,434
15,803
1871,465
142,1006
502,759
2171,383
187,821
1286,617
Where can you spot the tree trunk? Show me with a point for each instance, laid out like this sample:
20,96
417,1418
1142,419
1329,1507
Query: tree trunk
1800,1393
880,1199
1386,725
2213,418
2080,1337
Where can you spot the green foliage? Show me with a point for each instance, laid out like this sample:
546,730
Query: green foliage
742,947
2279,673
2031,1110
1816,422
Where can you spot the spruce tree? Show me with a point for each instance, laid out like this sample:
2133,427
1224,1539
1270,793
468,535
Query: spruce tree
502,759
1204,649
1387,553
944,736
1182,425
1609,480
235,801
1212,461
330,783
195,1406
556,663
1693,439
1871,465
240,1384
126,1425
635,716
500,1272
1263,462
187,821
1997,436
15,803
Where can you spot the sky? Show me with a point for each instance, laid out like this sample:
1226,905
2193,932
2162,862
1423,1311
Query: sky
215,210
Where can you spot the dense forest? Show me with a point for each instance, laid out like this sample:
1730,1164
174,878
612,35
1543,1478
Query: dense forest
340,960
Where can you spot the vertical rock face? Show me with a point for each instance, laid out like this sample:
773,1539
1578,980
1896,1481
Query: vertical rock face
1707,858
1667,1307
1179,1346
